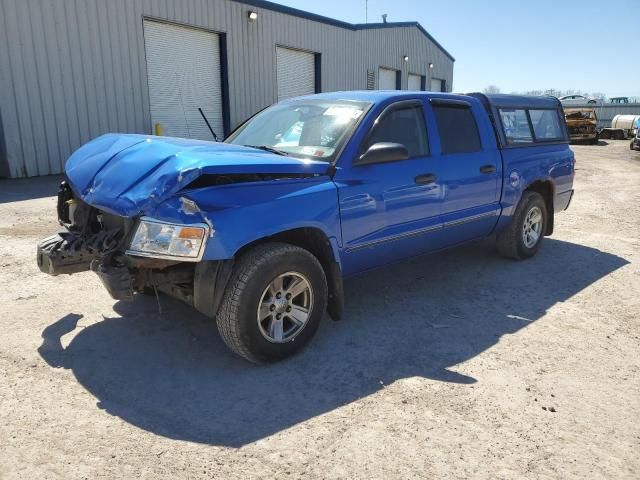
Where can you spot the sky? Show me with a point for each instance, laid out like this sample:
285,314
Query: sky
587,45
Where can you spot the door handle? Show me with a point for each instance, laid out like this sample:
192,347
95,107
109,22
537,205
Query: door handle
425,179
488,169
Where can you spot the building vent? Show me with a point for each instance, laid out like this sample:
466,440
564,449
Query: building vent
371,80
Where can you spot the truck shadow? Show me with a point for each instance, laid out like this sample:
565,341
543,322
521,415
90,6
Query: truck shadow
171,374
19,189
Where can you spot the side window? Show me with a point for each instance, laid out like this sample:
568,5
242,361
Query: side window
458,129
404,125
516,126
546,125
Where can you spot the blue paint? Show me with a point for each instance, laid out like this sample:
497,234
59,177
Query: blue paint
129,175
372,215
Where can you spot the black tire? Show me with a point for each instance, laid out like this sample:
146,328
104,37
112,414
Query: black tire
594,141
237,317
510,241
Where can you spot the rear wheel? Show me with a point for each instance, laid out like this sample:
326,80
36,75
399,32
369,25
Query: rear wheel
522,238
273,303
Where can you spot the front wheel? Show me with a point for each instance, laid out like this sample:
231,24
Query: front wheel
522,238
273,303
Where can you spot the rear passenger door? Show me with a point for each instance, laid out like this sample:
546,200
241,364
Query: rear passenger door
470,168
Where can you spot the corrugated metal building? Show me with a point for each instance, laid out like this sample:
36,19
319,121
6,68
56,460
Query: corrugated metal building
71,70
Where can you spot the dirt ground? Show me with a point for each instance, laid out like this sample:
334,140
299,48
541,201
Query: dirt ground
457,365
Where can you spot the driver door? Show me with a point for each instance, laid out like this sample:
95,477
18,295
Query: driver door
390,210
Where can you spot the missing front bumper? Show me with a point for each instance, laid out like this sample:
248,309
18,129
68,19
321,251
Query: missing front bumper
63,254
200,284
116,279
69,253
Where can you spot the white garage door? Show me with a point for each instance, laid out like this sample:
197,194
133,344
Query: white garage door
183,69
436,85
296,73
386,79
415,82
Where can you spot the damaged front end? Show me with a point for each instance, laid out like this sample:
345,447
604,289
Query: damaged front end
117,249
137,211
92,241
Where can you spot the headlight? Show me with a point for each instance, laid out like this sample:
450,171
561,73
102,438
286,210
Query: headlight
166,240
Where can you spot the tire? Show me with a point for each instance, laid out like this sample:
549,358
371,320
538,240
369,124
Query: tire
594,141
251,285
512,241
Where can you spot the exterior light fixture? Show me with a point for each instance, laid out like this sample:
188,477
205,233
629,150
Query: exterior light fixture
253,16
431,65
405,58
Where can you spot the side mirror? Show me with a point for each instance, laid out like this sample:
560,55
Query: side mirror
383,152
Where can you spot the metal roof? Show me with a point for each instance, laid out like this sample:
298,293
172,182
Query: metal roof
338,23
377,96
499,100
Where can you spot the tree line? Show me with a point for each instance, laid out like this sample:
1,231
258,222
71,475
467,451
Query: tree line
557,93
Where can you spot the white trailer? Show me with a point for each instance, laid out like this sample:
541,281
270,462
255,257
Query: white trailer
622,126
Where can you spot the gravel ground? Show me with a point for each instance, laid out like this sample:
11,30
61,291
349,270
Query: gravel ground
457,365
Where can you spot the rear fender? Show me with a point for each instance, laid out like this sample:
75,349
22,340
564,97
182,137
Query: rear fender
530,166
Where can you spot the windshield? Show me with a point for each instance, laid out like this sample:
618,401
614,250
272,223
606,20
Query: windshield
313,129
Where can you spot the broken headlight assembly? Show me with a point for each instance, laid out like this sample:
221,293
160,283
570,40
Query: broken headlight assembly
154,238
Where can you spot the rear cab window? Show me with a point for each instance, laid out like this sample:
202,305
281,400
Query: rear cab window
546,125
457,128
528,126
515,125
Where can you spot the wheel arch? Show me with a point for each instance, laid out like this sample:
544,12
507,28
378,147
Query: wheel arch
547,190
315,241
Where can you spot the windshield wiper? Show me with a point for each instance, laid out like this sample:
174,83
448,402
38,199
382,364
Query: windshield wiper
266,148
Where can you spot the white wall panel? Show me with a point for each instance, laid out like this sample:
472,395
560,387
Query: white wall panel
295,72
414,82
386,79
436,85
183,70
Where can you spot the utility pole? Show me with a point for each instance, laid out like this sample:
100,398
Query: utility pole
366,11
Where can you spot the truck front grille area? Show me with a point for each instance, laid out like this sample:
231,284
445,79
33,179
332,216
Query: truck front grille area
582,130
90,234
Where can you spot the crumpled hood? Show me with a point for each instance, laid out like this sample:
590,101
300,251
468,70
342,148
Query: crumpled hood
129,174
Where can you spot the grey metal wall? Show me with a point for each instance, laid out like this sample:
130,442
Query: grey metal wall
75,69
606,112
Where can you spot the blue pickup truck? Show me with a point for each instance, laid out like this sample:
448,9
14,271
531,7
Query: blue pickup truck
260,230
